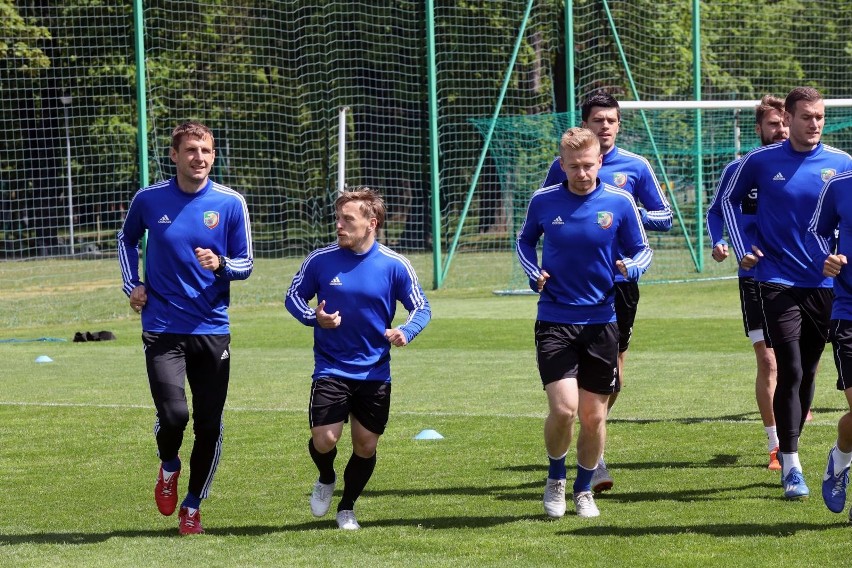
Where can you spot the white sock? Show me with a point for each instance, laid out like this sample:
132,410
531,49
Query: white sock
167,475
789,461
842,460
771,437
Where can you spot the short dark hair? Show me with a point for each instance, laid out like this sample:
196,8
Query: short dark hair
370,202
808,94
599,99
767,103
193,129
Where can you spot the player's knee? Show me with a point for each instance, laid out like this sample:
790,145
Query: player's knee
563,414
325,440
206,434
365,448
766,363
173,416
592,419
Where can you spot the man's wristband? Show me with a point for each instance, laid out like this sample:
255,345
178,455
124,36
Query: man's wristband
221,270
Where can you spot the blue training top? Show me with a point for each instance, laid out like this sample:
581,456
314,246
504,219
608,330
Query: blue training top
583,235
789,184
364,288
183,297
632,173
715,218
834,212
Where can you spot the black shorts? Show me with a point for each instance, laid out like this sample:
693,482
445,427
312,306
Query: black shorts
333,399
626,304
750,305
791,311
587,352
840,334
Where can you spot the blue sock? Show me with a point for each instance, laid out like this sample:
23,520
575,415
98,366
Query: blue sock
172,464
584,479
191,501
557,467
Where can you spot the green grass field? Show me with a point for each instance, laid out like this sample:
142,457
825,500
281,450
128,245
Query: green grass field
686,448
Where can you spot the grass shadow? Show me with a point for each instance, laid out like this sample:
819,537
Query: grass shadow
719,530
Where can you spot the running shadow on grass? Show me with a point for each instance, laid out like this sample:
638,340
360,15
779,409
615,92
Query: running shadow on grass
718,460
692,495
82,537
744,417
431,523
741,417
471,490
717,530
533,491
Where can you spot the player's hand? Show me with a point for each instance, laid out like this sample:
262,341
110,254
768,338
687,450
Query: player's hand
720,252
208,259
542,279
833,264
628,269
750,259
138,298
326,320
396,337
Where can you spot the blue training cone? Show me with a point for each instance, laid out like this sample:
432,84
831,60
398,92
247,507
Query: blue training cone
428,435
43,359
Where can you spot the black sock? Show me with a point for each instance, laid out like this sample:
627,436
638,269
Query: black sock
355,478
324,462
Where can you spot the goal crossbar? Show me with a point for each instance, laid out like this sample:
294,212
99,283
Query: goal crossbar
691,105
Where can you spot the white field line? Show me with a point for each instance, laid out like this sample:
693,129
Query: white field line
709,420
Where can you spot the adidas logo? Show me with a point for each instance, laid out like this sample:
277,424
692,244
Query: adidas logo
225,355
165,219
336,282
779,177
558,221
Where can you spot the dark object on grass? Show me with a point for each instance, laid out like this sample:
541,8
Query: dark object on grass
82,336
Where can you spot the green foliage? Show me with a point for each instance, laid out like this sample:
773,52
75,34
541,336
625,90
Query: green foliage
19,51
747,49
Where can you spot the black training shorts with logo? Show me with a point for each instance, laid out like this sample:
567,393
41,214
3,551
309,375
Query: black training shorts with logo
587,352
334,398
